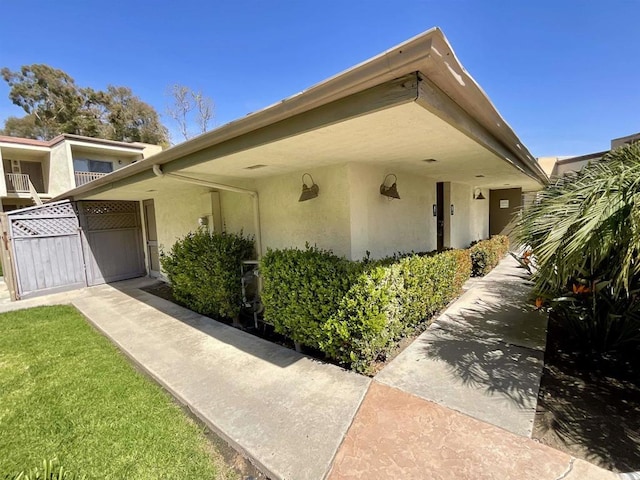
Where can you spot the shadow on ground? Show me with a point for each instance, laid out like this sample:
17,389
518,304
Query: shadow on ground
495,355
593,418
257,347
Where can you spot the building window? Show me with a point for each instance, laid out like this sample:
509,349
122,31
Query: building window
96,166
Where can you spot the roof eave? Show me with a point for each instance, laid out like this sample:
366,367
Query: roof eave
416,54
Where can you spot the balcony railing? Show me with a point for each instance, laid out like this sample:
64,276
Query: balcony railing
17,182
86,177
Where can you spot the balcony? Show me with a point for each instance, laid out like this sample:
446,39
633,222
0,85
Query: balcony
18,183
86,177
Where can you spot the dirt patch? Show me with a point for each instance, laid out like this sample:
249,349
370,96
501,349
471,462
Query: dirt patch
587,410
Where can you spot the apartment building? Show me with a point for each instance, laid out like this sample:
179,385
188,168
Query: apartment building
556,167
35,171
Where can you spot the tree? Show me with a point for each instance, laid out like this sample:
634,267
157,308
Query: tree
54,104
187,104
23,127
584,232
130,119
49,95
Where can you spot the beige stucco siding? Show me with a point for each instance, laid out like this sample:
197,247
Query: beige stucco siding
479,222
60,175
384,226
322,221
177,212
349,216
3,181
461,197
237,211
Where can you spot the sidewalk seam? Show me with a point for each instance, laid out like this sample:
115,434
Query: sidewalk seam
344,436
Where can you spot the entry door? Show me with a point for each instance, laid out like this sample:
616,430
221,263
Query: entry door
152,238
440,215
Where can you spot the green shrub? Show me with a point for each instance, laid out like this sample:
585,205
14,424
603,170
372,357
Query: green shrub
356,312
204,271
386,303
486,254
301,289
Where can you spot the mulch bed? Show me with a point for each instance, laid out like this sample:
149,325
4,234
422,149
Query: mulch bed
587,408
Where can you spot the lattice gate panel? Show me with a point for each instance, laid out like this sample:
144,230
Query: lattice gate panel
47,249
114,240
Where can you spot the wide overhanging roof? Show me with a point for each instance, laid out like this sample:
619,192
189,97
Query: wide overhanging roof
429,54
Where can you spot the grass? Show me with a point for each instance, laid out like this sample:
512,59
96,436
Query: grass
67,392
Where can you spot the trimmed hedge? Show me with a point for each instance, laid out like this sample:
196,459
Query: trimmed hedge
486,254
356,312
204,271
301,289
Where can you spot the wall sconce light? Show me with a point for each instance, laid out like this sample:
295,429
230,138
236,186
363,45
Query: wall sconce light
477,194
203,221
308,192
392,191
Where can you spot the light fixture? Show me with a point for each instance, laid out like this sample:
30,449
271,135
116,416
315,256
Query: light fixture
308,192
477,194
392,191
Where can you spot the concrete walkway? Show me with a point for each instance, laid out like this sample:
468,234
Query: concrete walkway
286,412
483,356
296,418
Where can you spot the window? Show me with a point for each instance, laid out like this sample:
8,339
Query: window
96,166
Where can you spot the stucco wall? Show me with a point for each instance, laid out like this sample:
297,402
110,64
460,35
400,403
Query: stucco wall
349,216
60,174
322,221
237,211
479,224
461,197
178,211
3,182
384,226
470,219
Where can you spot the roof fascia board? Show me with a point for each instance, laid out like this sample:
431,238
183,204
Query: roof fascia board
429,53
396,92
110,148
437,102
23,146
395,62
445,70
581,158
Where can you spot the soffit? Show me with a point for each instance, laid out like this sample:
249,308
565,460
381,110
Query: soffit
399,138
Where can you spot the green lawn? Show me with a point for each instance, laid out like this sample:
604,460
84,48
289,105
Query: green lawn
67,392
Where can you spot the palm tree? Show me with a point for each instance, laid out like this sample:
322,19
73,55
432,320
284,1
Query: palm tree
584,231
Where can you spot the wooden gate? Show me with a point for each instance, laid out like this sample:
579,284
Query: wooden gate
113,240
65,245
46,248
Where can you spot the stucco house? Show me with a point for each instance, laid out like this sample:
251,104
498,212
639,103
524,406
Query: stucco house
408,123
35,170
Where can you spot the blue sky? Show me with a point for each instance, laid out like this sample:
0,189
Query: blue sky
565,75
